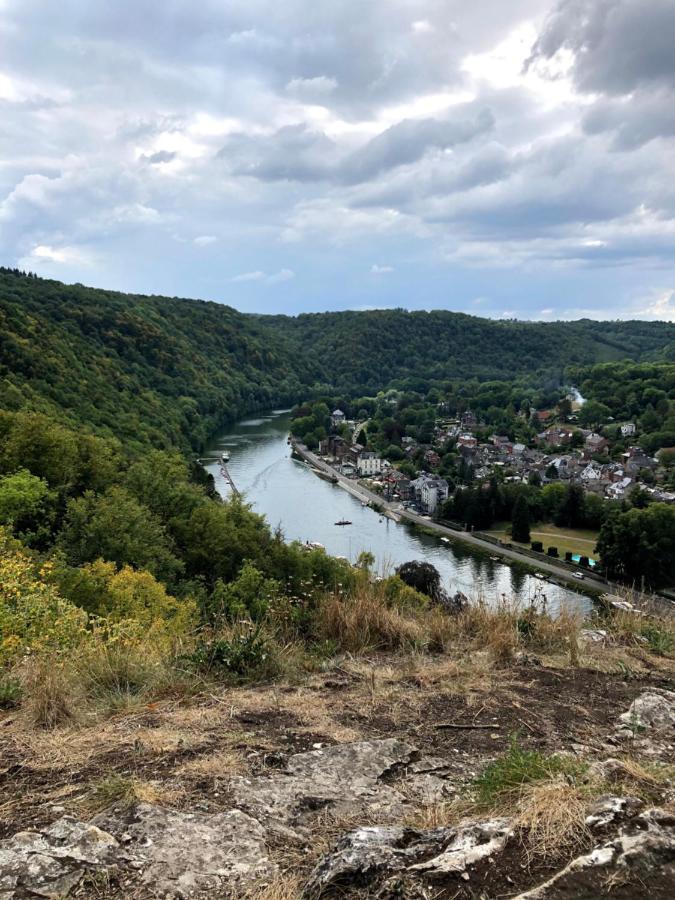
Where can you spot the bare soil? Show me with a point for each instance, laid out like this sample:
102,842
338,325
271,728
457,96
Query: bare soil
182,752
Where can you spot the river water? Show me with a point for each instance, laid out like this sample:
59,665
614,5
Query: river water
289,494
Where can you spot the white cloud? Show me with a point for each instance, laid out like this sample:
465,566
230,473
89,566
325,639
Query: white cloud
61,255
375,269
312,87
263,278
205,239
248,276
281,276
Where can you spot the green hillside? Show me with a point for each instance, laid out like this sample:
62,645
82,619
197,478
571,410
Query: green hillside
168,372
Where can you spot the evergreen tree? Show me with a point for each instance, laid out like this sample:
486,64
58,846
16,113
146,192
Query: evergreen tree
520,523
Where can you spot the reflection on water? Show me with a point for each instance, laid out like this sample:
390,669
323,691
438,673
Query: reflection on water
306,507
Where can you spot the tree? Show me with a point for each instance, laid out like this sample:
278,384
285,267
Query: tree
423,577
21,496
520,521
639,544
117,528
571,512
594,413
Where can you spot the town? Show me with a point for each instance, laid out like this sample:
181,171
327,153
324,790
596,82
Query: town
545,471
560,452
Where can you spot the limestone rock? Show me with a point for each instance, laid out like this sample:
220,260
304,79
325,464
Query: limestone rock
50,862
348,778
610,810
180,853
372,854
654,709
642,854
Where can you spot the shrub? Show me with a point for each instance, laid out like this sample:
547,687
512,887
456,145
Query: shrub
583,561
660,640
568,555
33,616
553,551
50,694
245,652
537,546
10,691
401,596
366,622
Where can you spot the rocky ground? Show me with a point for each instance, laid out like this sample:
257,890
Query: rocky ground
358,781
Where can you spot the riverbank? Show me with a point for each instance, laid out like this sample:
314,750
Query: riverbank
593,584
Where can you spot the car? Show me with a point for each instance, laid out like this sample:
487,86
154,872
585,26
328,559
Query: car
579,576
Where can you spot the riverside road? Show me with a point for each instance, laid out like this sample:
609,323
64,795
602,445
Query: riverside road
595,583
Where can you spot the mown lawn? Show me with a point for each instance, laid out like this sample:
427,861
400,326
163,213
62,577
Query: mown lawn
574,540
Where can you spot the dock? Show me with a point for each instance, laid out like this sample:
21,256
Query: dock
228,478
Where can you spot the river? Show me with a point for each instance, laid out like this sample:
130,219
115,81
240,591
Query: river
290,495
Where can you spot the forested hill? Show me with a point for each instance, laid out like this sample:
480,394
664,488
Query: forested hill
151,370
362,351
167,372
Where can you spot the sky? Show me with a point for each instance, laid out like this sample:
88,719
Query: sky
506,159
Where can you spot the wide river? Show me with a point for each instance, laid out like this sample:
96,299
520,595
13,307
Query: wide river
289,494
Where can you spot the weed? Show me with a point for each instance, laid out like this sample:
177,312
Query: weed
365,622
660,640
503,779
50,694
246,652
552,814
10,691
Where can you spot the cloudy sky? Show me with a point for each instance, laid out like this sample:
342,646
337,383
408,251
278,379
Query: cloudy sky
507,159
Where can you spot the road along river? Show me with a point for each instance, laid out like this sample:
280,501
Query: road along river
290,494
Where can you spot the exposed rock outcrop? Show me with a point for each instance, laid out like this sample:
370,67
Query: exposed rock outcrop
49,863
369,854
642,854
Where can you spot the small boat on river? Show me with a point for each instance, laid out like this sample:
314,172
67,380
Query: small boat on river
343,522
225,457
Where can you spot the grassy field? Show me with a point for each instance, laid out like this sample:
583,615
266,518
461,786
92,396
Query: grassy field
574,540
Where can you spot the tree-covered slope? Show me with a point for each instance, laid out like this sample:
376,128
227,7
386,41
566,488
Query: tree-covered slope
167,372
148,369
362,351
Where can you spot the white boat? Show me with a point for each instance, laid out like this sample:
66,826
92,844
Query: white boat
225,457
446,540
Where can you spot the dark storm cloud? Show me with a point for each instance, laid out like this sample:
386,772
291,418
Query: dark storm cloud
296,153
618,45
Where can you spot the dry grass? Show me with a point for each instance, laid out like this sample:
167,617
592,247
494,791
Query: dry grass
220,764
123,790
286,886
552,816
364,622
51,694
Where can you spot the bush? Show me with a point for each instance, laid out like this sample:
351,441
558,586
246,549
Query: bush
10,691
33,616
246,652
537,546
50,694
659,639
568,555
553,551
366,622
401,596
583,561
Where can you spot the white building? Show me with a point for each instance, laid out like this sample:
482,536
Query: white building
337,417
368,463
628,429
430,492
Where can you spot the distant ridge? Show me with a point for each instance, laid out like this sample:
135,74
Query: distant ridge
167,371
